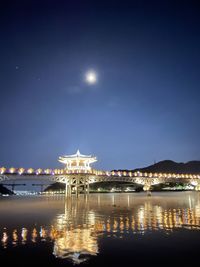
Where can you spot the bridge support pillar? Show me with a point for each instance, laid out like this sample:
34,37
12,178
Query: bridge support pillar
197,188
84,188
77,188
67,190
70,190
13,188
147,188
88,188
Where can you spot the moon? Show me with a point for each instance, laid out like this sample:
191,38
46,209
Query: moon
91,77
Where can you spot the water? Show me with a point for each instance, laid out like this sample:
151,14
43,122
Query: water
102,230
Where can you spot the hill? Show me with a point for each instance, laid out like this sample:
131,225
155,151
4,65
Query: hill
168,166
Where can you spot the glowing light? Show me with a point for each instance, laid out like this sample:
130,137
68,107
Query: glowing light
21,170
2,170
38,171
78,162
91,77
194,183
12,170
30,171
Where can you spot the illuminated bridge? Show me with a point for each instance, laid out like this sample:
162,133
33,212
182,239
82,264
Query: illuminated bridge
78,175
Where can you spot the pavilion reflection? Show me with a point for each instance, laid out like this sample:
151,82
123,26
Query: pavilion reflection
76,231
75,237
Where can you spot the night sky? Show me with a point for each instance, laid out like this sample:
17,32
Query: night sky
145,105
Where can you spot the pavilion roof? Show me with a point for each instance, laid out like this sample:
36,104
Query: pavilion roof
78,155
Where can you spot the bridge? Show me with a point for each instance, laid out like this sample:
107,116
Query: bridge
78,175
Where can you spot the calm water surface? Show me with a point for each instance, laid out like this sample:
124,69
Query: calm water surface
102,230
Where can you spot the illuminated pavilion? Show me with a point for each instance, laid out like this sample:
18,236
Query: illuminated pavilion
77,162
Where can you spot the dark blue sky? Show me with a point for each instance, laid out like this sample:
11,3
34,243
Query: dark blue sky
145,106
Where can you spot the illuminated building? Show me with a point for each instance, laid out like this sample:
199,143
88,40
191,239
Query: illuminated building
77,162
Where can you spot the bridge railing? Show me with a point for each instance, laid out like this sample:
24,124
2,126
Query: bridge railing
119,173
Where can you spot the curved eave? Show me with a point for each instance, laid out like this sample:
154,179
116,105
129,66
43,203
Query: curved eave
77,156
66,159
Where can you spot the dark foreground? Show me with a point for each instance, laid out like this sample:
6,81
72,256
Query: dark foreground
104,230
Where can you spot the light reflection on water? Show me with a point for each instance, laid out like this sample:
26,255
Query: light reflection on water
75,227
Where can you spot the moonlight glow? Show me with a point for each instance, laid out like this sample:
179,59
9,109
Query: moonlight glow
91,77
